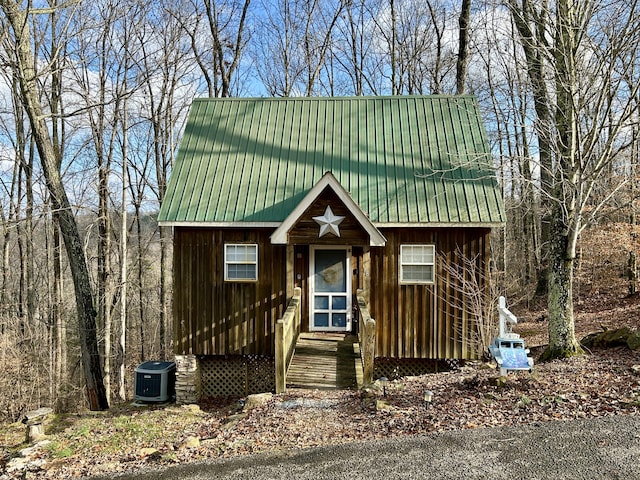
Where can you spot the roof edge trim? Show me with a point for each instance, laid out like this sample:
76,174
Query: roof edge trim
177,223
441,225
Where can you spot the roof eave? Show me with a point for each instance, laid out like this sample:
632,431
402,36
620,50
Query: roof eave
187,224
441,225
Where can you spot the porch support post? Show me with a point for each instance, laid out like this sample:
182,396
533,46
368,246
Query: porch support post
366,274
291,261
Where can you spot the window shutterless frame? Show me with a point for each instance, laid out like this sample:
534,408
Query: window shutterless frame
417,264
240,262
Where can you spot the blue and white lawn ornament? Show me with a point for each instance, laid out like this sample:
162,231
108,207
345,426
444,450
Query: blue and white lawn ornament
508,349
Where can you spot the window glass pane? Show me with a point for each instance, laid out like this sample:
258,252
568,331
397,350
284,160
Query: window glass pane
417,254
322,303
429,255
321,320
417,263
419,273
414,255
241,272
241,262
248,253
241,253
413,272
339,303
339,320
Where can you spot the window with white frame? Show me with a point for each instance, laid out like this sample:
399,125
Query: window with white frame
417,263
240,262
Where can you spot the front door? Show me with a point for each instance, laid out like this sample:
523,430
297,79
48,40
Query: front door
330,289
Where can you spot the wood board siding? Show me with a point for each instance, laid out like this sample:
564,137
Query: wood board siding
423,320
214,317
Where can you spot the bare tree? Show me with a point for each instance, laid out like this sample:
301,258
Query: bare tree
216,31
475,296
298,38
352,46
463,46
18,53
583,119
165,63
278,38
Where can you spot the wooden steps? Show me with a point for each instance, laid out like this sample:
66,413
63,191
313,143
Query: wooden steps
326,361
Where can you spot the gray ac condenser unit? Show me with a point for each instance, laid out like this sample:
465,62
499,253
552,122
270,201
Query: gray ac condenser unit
155,381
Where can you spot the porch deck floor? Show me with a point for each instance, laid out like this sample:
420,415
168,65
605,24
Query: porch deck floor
326,361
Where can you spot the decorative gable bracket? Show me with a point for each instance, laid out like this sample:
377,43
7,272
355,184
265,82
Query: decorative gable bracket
280,236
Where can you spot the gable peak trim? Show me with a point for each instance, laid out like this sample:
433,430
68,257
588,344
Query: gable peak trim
280,236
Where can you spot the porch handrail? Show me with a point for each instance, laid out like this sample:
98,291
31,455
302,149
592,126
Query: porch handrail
287,332
366,337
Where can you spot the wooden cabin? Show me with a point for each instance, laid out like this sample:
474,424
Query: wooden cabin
331,195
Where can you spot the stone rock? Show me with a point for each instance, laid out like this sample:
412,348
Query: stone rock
232,421
16,464
620,337
383,406
33,451
633,342
148,452
191,408
499,382
256,400
189,442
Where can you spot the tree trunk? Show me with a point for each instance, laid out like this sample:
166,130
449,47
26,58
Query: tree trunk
531,27
463,46
562,338
31,94
57,318
104,266
140,286
164,242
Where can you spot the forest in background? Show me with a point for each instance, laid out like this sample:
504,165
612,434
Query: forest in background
94,99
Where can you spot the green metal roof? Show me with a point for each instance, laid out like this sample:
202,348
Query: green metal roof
403,159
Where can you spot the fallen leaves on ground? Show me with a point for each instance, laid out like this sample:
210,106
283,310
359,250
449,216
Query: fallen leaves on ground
603,383
127,438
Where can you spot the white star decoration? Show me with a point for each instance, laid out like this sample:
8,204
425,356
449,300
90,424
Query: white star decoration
329,223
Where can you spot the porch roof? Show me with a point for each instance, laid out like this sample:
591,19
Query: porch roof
405,160
279,236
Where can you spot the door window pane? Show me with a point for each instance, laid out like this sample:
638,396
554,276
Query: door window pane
330,266
322,302
339,320
321,319
339,303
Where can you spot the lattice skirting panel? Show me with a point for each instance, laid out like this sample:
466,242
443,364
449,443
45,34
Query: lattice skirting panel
236,375
394,368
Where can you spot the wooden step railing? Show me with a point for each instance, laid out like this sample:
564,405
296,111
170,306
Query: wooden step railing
367,338
287,332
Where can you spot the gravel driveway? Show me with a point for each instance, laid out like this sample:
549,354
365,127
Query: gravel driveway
599,448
